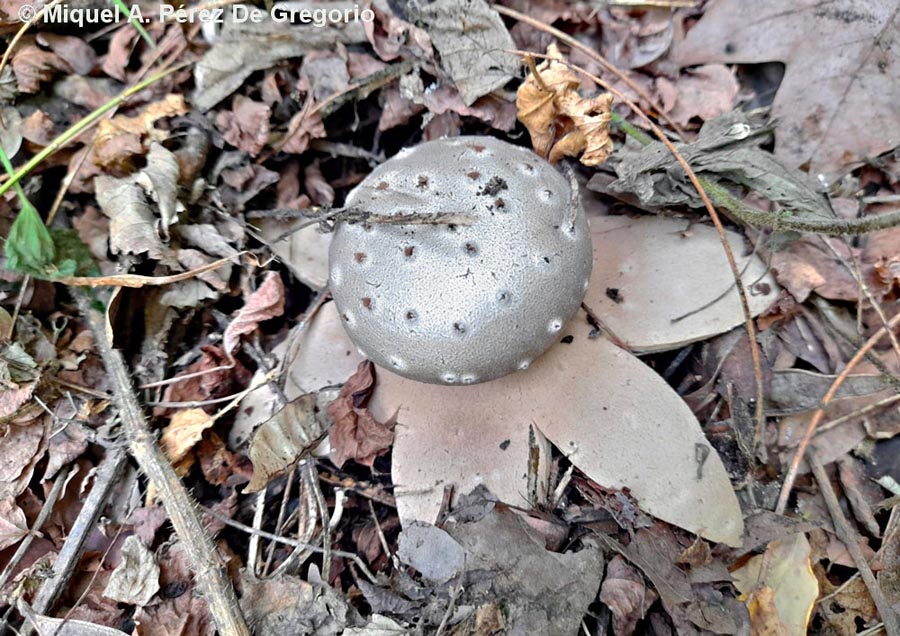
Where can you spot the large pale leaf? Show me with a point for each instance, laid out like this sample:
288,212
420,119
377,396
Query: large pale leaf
660,283
837,103
608,412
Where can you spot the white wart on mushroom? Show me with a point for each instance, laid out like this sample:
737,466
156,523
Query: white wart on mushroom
610,414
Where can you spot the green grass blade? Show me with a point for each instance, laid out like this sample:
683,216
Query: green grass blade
134,22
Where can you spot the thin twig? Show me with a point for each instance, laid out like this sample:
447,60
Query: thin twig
849,538
791,475
228,521
66,563
208,568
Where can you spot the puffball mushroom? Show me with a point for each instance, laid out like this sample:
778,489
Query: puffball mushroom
454,302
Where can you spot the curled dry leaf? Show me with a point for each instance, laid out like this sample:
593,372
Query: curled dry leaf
283,439
356,434
246,126
605,410
13,525
136,579
132,225
626,595
790,588
561,122
184,431
265,303
660,283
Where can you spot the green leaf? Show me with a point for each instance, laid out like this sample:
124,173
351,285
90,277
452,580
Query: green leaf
73,258
29,247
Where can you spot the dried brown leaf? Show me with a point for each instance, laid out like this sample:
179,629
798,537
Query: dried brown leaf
183,432
356,434
283,439
265,303
626,595
246,126
13,525
561,122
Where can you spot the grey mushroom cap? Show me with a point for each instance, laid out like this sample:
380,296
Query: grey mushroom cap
461,303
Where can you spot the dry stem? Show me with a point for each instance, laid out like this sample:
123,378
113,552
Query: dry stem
208,568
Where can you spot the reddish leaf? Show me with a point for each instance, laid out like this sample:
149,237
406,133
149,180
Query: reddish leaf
266,302
356,434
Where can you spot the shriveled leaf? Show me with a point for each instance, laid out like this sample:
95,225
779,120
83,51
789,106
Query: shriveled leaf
264,303
132,227
136,580
626,595
160,181
507,565
13,525
790,588
305,252
727,149
283,439
561,122
832,117
183,432
307,608
612,416
473,43
356,434
246,126
659,283
33,65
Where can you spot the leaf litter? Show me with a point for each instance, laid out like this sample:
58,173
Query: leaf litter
595,491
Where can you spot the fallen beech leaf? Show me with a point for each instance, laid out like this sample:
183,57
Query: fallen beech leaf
660,283
834,54
246,126
136,580
612,416
13,525
117,139
561,122
790,588
626,595
283,439
356,434
132,223
33,65
705,92
264,303
473,43
185,429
